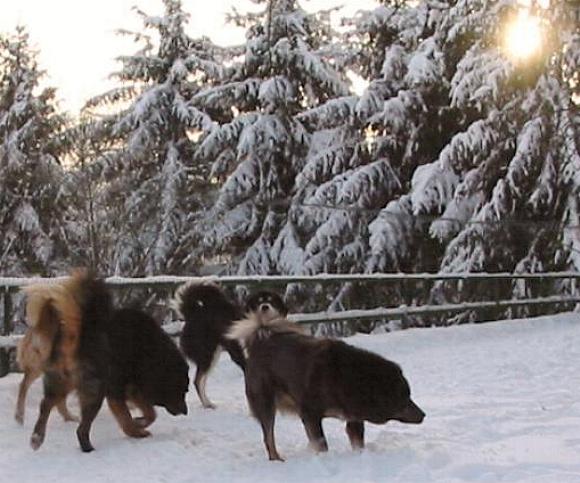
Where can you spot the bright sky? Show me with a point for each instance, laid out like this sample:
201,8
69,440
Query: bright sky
77,39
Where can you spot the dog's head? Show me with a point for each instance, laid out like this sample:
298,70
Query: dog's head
266,306
387,393
399,405
170,392
410,413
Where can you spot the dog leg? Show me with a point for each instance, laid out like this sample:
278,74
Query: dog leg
200,382
39,432
123,416
263,407
54,392
27,380
91,400
267,422
356,434
313,427
65,413
148,411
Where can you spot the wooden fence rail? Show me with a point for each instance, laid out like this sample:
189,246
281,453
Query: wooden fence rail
9,287
13,284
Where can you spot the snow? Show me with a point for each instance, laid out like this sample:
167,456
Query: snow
433,186
468,197
502,403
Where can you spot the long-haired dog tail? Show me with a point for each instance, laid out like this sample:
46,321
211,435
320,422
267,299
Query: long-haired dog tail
67,304
186,300
253,328
57,307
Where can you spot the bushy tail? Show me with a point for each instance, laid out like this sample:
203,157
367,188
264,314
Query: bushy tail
253,328
60,304
35,347
191,296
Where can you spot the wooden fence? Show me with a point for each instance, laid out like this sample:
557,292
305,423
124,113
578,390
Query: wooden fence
9,286
166,284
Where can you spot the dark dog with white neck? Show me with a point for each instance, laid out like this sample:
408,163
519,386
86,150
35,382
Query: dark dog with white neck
318,378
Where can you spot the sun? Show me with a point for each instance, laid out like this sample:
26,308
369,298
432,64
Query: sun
523,37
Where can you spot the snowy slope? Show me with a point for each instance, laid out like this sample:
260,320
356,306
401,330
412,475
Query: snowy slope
502,403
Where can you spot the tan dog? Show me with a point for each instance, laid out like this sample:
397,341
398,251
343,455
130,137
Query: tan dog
35,348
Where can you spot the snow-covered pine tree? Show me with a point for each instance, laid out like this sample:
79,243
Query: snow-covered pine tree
150,186
366,150
471,137
89,234
287,67
406,109
517,159
32,187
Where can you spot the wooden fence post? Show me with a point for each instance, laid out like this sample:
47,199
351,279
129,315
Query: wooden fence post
6,330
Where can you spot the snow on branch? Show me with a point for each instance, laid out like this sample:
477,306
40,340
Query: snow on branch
368,186
467,199
425,65
468,148
325,164
226,134
432,188
332,113
391,236
312,65
276,91
480,79
287,251
190,115
231,94
397,112
241,184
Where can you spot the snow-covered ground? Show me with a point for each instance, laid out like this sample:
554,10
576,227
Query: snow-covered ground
502,403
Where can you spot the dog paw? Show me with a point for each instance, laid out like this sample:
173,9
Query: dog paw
142,422
19,417
209,405
87,448
36,441
72,419
139,432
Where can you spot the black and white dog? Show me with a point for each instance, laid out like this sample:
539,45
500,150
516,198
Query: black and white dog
209,314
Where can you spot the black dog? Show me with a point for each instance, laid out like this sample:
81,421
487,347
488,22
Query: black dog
208,315
122,355
146,369
318,378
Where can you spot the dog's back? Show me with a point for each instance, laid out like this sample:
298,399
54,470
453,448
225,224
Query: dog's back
328,376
